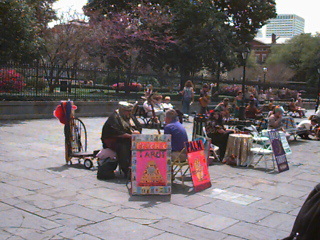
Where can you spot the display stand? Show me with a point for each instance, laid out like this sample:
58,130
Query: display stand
151,165
198,165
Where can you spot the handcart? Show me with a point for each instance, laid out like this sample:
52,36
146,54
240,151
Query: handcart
75,136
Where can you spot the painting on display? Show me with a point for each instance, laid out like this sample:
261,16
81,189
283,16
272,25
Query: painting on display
198,165
151,165
278,151
285,143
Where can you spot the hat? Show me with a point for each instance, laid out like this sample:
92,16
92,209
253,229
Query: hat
125,105
167,98
278,109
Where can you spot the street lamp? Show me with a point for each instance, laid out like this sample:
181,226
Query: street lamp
244,55
265,70
318,93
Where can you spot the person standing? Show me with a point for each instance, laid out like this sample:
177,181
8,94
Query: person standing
237,104
204,99
187,97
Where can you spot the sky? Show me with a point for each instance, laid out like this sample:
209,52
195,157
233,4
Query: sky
303,8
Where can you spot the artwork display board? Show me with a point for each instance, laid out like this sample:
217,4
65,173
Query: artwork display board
198,165
151,164
285,143
278,151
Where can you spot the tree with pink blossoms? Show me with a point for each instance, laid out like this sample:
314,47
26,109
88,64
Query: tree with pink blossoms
131,40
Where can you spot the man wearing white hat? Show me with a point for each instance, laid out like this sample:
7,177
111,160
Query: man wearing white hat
117,132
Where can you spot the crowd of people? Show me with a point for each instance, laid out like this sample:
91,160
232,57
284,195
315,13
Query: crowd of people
122,124
276,94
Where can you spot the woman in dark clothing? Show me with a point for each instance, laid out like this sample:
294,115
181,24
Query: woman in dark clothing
217,132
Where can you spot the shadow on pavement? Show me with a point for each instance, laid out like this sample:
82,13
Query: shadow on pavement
66,167
150,200
299,142
10,123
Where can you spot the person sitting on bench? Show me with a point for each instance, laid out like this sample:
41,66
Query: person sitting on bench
154,100
293,108
252,112
275,119
116,135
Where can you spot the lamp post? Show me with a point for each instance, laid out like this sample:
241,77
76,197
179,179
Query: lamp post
318,92
265,70
244,55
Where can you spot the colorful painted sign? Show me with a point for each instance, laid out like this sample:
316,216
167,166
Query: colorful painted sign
151,165
198,165
278,151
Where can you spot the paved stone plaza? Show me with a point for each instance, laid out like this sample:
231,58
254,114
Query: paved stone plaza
42,198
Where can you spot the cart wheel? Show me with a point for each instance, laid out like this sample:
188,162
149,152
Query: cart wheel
87,163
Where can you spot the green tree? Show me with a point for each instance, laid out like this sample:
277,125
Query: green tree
106,6
246,16
21,24
207,33
301,54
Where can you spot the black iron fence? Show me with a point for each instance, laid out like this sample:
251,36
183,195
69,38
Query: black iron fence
52,82
44,82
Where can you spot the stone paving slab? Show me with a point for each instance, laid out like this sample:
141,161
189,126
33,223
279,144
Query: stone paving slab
187,230
166,236
214,222
253,231
236,211
119,228
42,198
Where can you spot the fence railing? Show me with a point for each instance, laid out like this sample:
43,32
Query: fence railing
46,82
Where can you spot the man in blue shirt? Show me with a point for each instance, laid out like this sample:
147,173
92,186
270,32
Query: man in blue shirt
178,133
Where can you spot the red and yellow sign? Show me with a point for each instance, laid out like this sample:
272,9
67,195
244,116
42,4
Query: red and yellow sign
198,165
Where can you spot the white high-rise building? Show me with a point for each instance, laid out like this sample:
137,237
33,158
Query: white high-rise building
285,26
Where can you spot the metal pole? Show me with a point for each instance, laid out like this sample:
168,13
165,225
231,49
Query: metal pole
243,83
318,93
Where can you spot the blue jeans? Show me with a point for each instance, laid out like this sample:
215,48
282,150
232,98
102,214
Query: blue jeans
186,106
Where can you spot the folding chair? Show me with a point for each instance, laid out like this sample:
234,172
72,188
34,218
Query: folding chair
262,151
180,165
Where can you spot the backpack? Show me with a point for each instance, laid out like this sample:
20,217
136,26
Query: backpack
106,168
306,225
187,94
